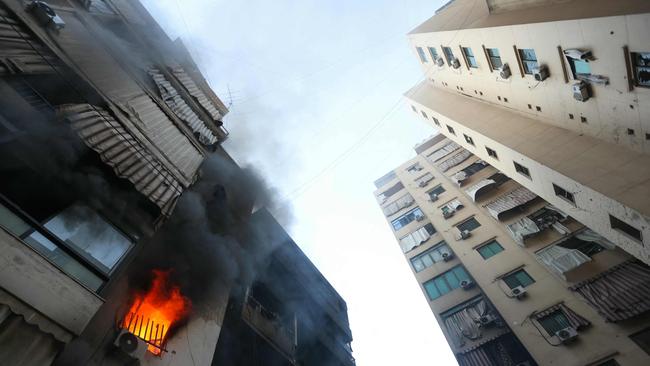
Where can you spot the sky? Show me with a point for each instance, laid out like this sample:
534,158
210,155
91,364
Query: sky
317,108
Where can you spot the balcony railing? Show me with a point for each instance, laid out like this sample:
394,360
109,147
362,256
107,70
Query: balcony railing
269,325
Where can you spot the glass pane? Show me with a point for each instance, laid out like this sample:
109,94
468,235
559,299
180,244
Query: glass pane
427,261
436,255
529,66
441,285
423,57
485,252
527,54
581,67
642,59
468,51
96,239
433,52
452,279
460,273
472,61
496,62
417,264
430,229
432,290
554,322
12,223
470,225
523,278
493,52
62,260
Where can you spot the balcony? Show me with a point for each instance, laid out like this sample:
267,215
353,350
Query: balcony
270,326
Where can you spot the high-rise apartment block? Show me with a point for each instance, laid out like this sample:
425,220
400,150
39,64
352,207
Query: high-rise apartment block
556,95
511,278
526,221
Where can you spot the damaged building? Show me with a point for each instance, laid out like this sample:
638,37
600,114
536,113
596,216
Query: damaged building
122,219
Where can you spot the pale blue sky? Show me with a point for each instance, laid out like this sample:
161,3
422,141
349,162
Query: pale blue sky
317,108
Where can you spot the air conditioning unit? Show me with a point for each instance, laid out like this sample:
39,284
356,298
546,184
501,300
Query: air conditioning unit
129,344
566,335
519,292
45,15
541,73
504,72
581,91
433,197
440,61
447,213
447,256
466,284
419,218
455,63
486,320
465,234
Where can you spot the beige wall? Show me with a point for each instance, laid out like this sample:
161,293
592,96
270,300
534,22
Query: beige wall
600,340
609,113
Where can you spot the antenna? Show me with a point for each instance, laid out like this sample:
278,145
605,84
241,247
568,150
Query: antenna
229,96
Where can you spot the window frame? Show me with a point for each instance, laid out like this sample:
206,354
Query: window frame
405,214
421,54
488,244
492,153
522,170
470,57
442,278
622,227
438,248
513,275
564,194
497,56
467,220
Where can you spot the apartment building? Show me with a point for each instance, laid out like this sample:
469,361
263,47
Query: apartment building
555,95
289,314
119,210
511,278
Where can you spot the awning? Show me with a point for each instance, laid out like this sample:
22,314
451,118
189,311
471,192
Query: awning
459,177
575,320
397,205
454,160
619,293
481,187
442,152
414,239
176,103
197,93
124,153
561,259
509,201
521,229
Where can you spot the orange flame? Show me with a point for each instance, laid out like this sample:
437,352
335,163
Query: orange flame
154,312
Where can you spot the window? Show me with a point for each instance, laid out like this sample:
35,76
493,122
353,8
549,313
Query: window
468,225
469,56
554,322
414,109
625,228
414,168
424,114
522,169
518,278
474,168
579,67
641,66
438,190
424,179
391,191
433,53
528,60
489,249
407,218
446,282
435,120
494,57
451,130
431,256
449,55
423,56
492,153
469,140
564,194
642,339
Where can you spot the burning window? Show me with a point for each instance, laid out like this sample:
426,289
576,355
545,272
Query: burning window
153,313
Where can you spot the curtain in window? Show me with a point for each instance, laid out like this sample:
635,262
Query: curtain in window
591,236
619,293
475,357
414,239
454,160
560,259
400,203
521,229
465,323
575,320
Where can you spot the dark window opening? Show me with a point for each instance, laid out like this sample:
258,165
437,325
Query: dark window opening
518,278
642,339
492,153
522,169
469,140
626,228
563,193
468,225
446,282
451,130
641,67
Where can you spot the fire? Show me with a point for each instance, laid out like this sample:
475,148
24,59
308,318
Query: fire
154,312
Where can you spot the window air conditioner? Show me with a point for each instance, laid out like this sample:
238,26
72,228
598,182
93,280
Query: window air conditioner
541,73
466,284
447,213
129,344
440,61
581,91
45,15
433,197
486,320
465,234
519,292
566,335
419,218
455,63
504,72
447,256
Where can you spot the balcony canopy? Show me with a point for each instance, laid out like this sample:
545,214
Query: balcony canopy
508,201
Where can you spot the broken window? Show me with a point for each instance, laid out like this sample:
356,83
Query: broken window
641,66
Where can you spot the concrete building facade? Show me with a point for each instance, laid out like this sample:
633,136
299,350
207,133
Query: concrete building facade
511,278
555,95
